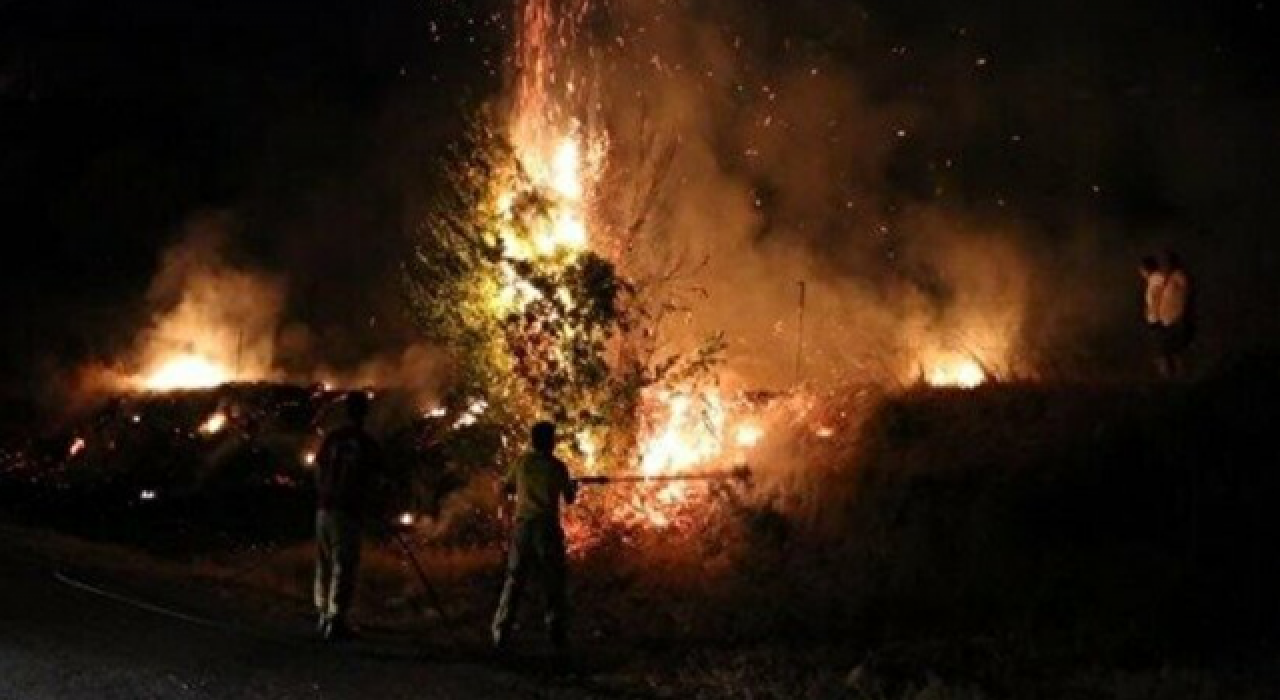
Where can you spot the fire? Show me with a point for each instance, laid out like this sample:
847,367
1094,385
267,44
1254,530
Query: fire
214,423
964,373
748,435
470,416
688,431
684,430
77,446
186,371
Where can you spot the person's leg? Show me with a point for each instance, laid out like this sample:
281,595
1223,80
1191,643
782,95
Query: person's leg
345,570
324,568
554,579
1156,346
518,561
1180,341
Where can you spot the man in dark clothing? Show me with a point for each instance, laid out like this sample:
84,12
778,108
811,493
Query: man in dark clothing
346,465
539,481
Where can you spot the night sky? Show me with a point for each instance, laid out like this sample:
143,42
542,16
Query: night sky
317,123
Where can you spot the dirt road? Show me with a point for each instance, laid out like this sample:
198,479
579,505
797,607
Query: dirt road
59,642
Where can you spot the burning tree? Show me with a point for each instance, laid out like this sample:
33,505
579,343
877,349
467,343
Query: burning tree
502,274
519,268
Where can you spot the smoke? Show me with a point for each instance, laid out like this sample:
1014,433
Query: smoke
211,317
754,177
207,307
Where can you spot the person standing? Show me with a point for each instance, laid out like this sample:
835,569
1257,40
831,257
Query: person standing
539,481
348,461
1153,277
1176,315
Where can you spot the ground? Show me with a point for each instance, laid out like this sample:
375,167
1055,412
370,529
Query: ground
65,636
1066,541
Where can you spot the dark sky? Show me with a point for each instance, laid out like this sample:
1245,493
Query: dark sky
316,121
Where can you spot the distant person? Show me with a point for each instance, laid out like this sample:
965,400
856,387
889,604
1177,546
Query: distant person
348,461
539,481
1176,316
1153,276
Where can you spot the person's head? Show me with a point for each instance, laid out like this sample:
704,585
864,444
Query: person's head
357,406
543,436
1148,265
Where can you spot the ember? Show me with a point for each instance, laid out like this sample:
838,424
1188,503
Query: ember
214,424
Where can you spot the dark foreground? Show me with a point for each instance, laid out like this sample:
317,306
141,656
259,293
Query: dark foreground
59,641
1047,541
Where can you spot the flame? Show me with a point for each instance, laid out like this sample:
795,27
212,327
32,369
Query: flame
543,207
214,423
185,371
472,414
963,373
748,435
688,431
77,446
684,429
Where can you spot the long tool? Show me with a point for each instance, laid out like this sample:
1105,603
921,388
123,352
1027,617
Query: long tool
740,473
434,597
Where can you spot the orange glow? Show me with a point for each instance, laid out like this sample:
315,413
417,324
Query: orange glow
688,431
214,423
959,372
186,371
748,435
683,430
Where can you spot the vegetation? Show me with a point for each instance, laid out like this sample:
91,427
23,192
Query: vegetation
537,331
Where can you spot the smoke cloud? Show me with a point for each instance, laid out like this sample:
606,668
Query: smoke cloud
758,179
213,317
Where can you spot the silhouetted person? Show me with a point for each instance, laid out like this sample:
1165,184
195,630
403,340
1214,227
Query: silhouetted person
348,461
539,481
1177,315
1153,277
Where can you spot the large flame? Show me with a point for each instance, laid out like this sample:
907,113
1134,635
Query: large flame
959,372
682,429
185,371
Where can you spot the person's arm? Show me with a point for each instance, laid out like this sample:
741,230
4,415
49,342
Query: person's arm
570,485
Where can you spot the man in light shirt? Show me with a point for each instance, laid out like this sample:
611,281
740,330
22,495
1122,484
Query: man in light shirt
1154,278
539,481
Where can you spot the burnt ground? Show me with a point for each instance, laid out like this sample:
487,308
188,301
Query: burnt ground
1072,541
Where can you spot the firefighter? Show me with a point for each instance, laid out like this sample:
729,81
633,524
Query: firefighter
1153,277
539,481
347,464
